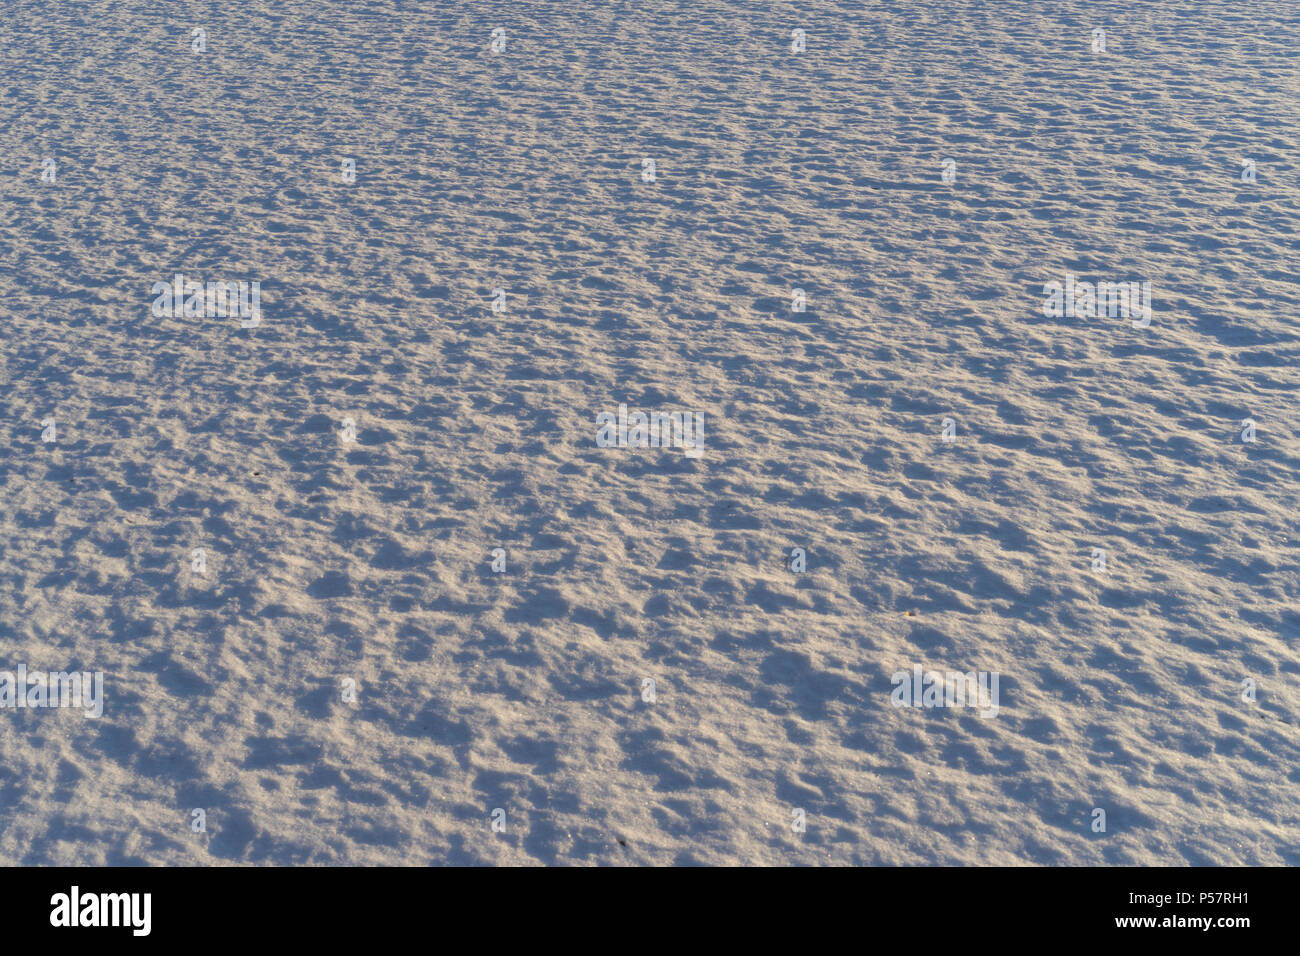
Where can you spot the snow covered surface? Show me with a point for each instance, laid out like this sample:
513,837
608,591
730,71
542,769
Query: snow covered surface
328,561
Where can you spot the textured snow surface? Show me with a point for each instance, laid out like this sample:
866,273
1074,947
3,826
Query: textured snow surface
1120,689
